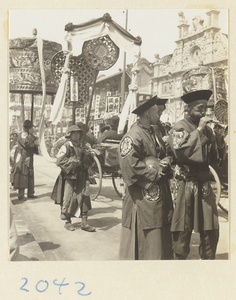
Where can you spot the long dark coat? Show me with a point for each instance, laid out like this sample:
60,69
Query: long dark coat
67,160
194,150
23,165
151,211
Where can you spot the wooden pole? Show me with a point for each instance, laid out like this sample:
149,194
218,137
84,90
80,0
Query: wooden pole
124,67
22,110
32,108
89,108
73,113
214,89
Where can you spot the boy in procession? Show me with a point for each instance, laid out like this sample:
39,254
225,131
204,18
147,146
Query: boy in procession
71,189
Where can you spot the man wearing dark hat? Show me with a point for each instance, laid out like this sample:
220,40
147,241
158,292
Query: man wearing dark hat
147,206
194,148
111,133
71,189
90,137
23,166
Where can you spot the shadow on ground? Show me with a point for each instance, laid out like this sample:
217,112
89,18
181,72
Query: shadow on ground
41,197
109,192
102,210
48,246
222,256
21,257
17,201
105,223
25,239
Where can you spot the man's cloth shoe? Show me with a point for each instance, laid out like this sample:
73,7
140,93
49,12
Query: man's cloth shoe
32,197
65,217
69,226
88,228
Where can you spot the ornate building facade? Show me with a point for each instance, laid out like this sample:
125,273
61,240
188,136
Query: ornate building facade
200,60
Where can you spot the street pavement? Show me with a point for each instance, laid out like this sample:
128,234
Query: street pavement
42,236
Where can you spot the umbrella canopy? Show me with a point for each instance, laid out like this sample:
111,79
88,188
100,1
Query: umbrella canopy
97,41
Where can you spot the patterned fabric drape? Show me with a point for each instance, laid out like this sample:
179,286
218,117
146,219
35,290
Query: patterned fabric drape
77,34
58,105
131,101
42,144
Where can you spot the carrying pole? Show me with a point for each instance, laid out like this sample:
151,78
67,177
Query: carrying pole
124,67
73,112
32,108
89,108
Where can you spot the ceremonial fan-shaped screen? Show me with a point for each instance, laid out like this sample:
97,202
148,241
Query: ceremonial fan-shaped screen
100,53
79,69
221,111
97,54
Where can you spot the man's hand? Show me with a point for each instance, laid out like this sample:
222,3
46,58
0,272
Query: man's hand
76,162
87,150
164,165
203,122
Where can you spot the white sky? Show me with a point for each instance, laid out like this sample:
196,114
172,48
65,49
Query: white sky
157,27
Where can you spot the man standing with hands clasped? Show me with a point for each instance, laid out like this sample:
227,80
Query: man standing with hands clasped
194,148
147,206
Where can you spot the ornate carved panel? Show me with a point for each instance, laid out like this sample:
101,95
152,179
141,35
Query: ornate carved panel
25,72
220,46
81,72
100,53
221,111
202,78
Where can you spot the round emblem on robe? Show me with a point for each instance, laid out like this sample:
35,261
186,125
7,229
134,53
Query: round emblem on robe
206,189
153,193
126,146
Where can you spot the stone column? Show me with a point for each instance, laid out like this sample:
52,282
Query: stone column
213,18
183,30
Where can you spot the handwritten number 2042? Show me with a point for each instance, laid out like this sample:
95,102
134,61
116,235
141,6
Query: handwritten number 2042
42,285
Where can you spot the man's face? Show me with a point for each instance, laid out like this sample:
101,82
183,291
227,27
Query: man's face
14,137
75,136
197,109
31,130
155,113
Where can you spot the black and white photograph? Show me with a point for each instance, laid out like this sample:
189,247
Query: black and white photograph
118,143
115,144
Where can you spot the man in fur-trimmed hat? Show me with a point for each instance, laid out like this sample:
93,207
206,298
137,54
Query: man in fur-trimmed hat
147,206
71,189
194,148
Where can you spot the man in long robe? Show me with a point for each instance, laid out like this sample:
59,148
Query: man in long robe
23,166
147,206
194,148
